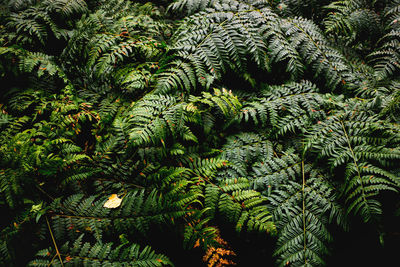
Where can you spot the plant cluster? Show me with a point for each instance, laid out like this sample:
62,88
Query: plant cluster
120,118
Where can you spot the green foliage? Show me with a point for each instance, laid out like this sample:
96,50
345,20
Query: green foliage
209,43
287,108
301,210
264,117
99,254
365,146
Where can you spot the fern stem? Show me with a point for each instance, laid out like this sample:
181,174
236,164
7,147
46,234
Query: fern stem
355,163
51,262
44,192
304,215
54,242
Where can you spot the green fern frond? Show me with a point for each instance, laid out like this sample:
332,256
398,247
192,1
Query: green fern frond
350,139
239,206
190,6
67,8
100,254
26,23
386,58
210,43
287,108
351,21
303,209
270,173
154,118
243,150
317,53
391,102
41,63
131,37
137,213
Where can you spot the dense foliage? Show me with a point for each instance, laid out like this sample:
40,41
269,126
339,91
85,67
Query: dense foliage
123,120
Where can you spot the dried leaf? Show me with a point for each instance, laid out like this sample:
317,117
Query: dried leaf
113,202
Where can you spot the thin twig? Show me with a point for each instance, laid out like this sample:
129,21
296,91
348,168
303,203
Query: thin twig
54,242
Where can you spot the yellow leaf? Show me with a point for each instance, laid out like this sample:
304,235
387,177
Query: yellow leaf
113,202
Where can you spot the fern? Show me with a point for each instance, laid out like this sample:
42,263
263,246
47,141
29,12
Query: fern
317,53
243,150
351,20
302,209
135,215
122,120
209,44
67,7
191,6
239,206
349,139
286,108
100,254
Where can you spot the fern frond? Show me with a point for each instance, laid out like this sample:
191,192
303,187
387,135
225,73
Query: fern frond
239,206
351,20
101,254
313,47
302,209
154,118
386,58
286,108
349,139
129,38
26,23
243,150
272,172
190,6
210,43
67,8
137,213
